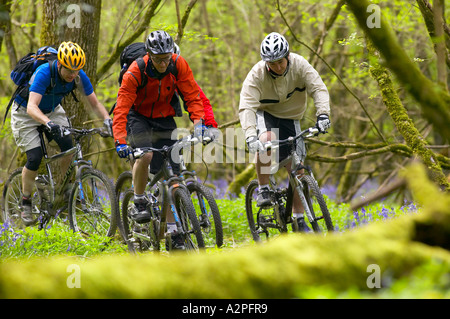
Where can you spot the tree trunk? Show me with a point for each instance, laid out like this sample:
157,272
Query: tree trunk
434,100
5,31
78,22
402,121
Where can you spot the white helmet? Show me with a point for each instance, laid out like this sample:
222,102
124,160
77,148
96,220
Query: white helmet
176,49
274,47
159,42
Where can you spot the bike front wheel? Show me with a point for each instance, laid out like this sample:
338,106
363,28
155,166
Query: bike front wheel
208,213
123,183
262,220
193,238
138,236
322,222
92,205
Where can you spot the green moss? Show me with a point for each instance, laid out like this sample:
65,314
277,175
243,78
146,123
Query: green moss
242,180
402,121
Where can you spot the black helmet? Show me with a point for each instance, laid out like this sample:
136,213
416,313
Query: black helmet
159,42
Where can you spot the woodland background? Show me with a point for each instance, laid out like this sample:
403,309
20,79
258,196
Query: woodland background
388,84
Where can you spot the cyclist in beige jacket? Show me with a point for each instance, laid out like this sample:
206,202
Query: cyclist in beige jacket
272,103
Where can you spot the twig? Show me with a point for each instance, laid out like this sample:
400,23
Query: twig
332,71
379,194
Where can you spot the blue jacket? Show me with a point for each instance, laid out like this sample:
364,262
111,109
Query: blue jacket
41,80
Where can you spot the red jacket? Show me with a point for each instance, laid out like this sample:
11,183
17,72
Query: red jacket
209,114
154,99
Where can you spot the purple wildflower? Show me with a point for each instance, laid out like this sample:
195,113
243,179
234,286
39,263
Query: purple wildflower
384,212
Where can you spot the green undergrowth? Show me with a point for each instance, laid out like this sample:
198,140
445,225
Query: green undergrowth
58,239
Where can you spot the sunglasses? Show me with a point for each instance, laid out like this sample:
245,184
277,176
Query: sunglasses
71,71
161,60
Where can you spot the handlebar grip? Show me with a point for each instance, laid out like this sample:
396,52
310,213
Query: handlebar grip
268,146
104,133
137,153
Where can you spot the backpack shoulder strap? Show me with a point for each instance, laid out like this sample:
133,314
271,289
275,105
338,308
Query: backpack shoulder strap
18,89
53,75
142,65
174,70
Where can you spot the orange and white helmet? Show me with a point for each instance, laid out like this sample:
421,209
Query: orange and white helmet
71,56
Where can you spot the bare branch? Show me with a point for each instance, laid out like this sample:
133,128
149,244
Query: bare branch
332,71
121,45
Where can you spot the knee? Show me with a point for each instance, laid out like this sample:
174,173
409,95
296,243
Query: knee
34,158
65,143
267,136
145,160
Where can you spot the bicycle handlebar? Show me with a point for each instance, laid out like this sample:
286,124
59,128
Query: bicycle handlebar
185,141
84,131
312,131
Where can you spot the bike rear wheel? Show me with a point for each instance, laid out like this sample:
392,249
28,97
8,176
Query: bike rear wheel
93,206
193,239
261,220
322,218
208,213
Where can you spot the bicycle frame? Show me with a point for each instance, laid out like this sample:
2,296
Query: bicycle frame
78,164
167,182
51,183
295,179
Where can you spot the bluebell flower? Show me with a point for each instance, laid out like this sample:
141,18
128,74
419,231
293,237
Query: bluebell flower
356,216
384,212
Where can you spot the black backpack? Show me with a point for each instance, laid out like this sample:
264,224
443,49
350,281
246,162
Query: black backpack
24,69
136,52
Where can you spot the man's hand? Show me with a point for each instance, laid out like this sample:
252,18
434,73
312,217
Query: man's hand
54,129
254,144
122,150
210,134
107,123
198,130
323,123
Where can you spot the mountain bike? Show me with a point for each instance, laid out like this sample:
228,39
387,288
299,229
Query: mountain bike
85,192
274,218
166,193
204,202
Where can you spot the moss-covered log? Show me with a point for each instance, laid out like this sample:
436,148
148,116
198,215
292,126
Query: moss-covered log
242,179
279,269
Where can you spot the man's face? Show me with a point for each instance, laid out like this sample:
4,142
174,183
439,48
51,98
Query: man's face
67,74
278,66
161,61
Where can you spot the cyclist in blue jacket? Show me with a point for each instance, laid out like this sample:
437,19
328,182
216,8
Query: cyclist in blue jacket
43,107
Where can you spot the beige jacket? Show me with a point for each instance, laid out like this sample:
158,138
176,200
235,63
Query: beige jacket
283,96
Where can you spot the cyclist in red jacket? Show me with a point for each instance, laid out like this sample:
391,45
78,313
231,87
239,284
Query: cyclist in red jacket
145,118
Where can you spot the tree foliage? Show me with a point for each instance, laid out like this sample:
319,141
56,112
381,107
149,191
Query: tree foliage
220,40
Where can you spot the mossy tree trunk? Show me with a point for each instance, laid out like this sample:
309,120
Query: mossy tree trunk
434,99
404,124
79,22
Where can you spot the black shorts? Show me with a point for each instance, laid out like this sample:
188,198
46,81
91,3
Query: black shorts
147,132
283,128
